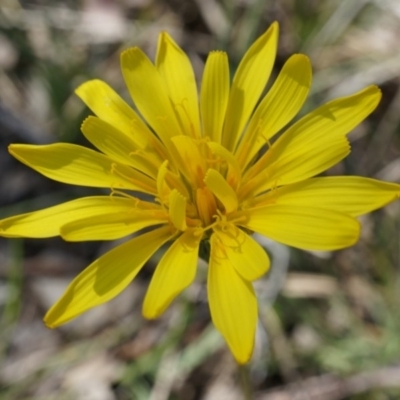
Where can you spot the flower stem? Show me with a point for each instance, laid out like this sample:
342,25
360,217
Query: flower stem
245,382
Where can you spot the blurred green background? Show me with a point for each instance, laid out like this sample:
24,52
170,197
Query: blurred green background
329,322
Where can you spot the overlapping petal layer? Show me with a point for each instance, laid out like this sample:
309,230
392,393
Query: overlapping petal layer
280,105
77,165
119,146
208,174
107,105
314,143
149,92
48,222
222,190
241,251
106,277
174,273
112,224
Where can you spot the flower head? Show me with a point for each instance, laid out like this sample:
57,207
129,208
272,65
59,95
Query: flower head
210,173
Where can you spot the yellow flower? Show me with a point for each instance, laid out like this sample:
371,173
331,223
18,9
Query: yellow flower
210,177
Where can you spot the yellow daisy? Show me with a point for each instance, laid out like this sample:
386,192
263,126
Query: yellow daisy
208,175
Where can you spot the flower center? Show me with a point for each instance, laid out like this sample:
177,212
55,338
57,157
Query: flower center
198,184
206,205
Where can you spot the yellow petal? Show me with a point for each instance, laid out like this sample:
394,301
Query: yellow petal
338,117
77,165
149,93
47,222
173,274
242,252
112,224
351,195
225,156
222,190
118,146
206,204
107,104
316,140
214,94
281,104
233,173
248,84
297,161
106,277
176,70
111,108
162,189
335,118
332,120
177,210
191,161
306,228
233,305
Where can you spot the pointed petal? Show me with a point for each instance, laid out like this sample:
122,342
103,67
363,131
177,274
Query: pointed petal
316,142
47,222
222,190
339,116
111,108
242,252
175,272
233,305
248,84
118,146
106,277
352,195
176,70
306,228
281,104
334,119
149,93
107,104
214,94
77,165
